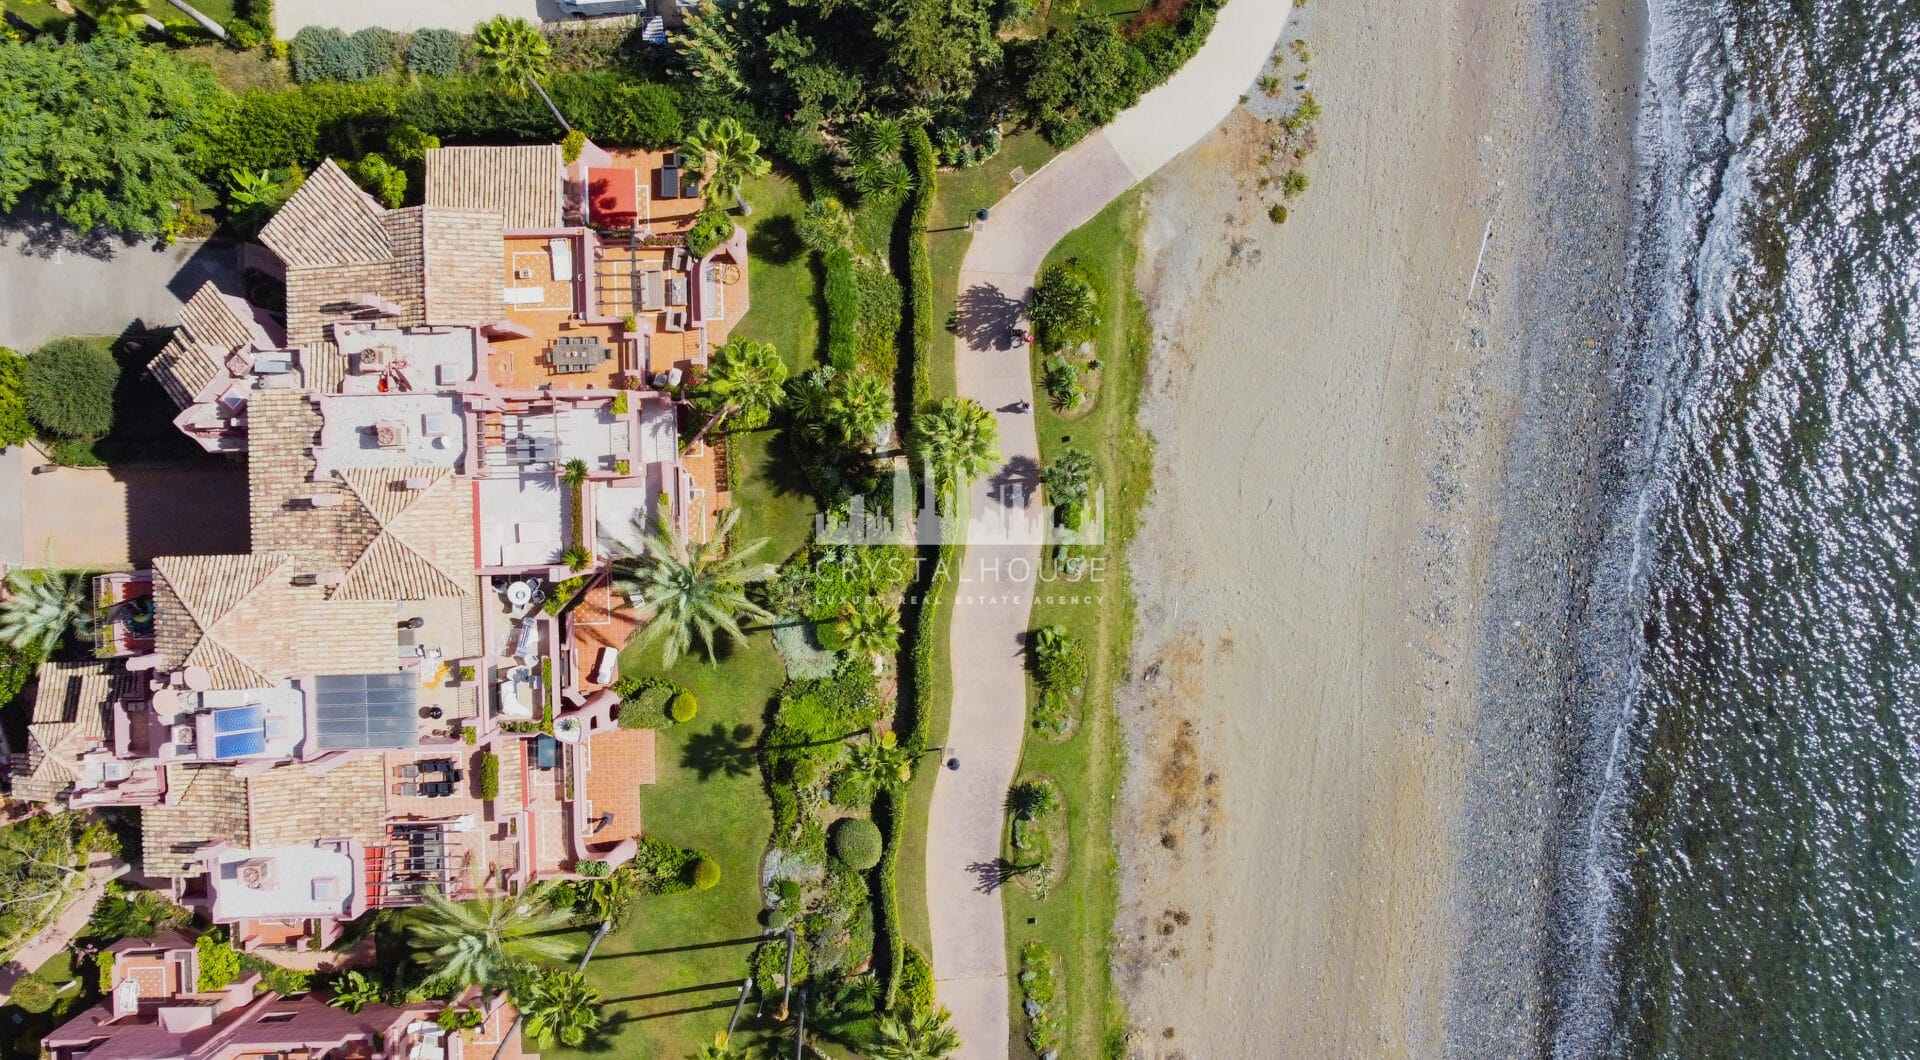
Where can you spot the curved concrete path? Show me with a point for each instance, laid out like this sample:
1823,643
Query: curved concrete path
993,606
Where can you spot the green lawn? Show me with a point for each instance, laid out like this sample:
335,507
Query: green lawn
959,194
23,1030
1076,919
783,286
670,975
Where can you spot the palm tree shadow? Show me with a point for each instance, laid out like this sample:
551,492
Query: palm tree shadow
995,874
719,752
1022,473
987,317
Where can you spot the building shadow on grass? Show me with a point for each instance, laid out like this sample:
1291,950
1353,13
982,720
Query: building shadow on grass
731,986
747,940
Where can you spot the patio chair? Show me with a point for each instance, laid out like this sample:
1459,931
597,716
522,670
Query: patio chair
409,771
454,777
409,790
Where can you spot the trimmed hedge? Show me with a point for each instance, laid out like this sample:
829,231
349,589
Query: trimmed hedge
219,964
706,874
32,994
920,328
842,297
433,52
683,708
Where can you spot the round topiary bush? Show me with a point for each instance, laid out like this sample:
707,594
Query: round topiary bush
70,384
683,708
33,994
706,873
856,842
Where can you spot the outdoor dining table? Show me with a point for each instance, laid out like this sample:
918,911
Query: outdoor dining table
577,353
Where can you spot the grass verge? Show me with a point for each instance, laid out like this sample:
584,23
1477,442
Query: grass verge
1076,918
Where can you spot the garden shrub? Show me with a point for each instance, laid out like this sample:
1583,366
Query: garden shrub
103,970
852,789
1060,375
33,994
590,868
1065,307
570,147
433,52
489,775
856,842
219,964
801,651
322,53
616,111
15,427
706,874
683,708
382,179
1038,992
842,298
288,982
1059,659
877,339
660,867
69,388
712,229
916,980
919,158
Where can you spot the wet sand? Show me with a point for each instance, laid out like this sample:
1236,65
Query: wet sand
1303,874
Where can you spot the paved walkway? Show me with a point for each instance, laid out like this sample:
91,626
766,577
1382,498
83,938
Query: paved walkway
992,611
48,292
60,935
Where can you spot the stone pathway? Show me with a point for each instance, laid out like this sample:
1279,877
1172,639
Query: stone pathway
992,611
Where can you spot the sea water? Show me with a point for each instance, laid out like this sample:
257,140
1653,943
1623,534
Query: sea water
1752,888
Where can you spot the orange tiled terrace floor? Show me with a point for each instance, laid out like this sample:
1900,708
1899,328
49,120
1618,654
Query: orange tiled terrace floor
620,760
599,625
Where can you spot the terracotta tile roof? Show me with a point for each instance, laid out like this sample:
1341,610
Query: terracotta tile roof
283,810
521,184
209,803
243,619
329,221
392,543
212,325
422,544
69,714
463,252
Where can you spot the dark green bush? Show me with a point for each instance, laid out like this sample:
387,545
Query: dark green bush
919,282
382,179
615,111
433,53
69,387
321,53
856,842
712,229
591,869
843,307
916,980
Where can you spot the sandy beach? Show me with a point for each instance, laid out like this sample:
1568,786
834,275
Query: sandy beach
1336,423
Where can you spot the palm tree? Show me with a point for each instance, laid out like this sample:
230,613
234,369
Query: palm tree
695,590
859,406
879,179
573,472
120,16
924,1034
868,627
353,992
881,761
825,224
727,154
957,440
253,198
1068,480
875,140
559,1006
513,50
745,382
42,608
481,942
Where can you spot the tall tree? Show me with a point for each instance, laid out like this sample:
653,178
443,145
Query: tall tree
922,1034
99,130
44,606
513,50
726,155
695,590
858,406
743,385
956,440
559,1006
483,942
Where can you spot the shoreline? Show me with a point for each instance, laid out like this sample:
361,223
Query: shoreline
1325,665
